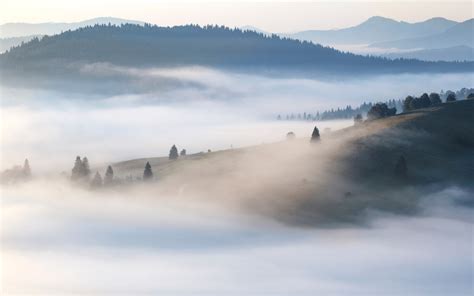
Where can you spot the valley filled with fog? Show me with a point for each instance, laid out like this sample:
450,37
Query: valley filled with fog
237,223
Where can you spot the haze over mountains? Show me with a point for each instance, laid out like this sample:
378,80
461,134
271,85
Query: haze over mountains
376,36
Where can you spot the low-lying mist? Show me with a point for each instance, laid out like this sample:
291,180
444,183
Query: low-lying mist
60,239
257,214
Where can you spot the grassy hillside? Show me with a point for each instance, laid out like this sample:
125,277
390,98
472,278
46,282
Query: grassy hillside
336,180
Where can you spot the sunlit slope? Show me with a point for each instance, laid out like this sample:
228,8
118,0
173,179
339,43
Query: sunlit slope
335,180
429,137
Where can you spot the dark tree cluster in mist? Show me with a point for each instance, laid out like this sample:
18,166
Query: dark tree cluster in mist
340,113
424,101
380,110
16,174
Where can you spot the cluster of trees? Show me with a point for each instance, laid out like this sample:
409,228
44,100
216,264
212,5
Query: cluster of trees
340,113
380,110
424,101
17,173
151,45
81,171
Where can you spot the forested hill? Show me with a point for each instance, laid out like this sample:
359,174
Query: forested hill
136,45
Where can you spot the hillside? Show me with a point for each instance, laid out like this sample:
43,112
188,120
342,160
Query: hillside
337,179
153,46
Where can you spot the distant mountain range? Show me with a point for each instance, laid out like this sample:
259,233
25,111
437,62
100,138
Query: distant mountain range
385,35
461,34
214,46
376,29
10,30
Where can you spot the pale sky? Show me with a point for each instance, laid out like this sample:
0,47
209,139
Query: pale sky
274,16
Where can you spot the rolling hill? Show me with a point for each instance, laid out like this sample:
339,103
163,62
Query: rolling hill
214,46
338,179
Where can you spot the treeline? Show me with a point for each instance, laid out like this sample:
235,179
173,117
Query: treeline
81,172
382,109
151,45
348,112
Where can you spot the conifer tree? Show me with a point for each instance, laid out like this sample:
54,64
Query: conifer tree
173,153
401,168
148,173
86,171
96,181
26,169
315,137
109,176
77,169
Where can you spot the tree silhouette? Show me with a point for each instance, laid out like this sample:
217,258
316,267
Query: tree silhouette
26,169
358,119
425,100
109,176
96,181
173,153
451,97
86,171
183,152
407,104
290,135
470,96
77,169
401,168
435,99
315,137
147,173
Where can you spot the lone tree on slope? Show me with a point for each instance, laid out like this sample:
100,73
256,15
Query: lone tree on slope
173,153
147,173
451,98
86,171
183,152
435,99
96,181
315,137
109,176
26,169
77,169
401,168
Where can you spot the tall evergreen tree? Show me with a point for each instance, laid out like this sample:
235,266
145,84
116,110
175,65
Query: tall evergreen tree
401,168
451,97
77,169
86,170
147,173
435,99
109,176
96,181
315,137
26,169
173,153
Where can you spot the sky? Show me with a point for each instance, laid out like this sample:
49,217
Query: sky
274,16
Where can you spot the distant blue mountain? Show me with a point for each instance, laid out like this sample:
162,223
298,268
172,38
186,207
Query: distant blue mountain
461,34
10,30
375,29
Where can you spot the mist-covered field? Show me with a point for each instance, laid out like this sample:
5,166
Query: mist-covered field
235,222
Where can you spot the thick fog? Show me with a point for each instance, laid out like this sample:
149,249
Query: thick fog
276,219
62,240
195,108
